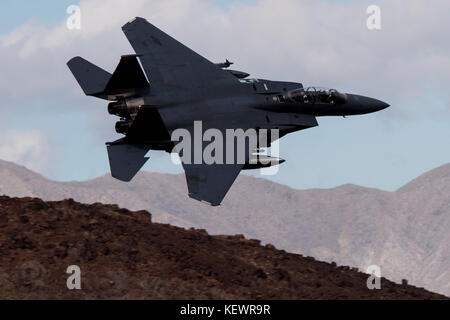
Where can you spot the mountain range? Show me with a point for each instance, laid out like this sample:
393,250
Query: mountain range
404,232
108,252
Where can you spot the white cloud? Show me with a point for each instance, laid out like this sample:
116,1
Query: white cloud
314,42
30,148
311,41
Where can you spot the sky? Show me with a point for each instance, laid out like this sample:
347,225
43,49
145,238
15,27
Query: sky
49,126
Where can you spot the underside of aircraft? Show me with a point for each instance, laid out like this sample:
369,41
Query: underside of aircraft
166,86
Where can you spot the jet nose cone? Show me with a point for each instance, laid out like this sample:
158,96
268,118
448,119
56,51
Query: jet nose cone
376,105
362,105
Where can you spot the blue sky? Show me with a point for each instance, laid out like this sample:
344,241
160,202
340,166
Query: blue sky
383,150
17,12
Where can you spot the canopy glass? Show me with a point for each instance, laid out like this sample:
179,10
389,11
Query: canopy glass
317,95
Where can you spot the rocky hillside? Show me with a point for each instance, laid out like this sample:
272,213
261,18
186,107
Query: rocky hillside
123,255
404,232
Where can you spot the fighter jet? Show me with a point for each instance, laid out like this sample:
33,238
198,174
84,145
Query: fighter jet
165,86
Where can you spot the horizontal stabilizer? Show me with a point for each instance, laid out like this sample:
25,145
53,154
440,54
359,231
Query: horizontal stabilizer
126,160
92,79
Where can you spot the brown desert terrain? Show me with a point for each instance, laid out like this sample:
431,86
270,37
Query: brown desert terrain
123,255
405,232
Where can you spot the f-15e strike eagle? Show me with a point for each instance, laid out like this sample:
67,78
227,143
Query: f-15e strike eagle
166,86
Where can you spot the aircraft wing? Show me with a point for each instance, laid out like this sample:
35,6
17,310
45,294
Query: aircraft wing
210,183
167,62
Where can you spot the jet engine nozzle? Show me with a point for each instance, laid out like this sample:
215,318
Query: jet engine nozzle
123,126
125,107
118,108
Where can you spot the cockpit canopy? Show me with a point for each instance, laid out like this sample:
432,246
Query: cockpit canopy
317,95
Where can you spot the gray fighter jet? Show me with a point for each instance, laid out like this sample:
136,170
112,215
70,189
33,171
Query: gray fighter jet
166,86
